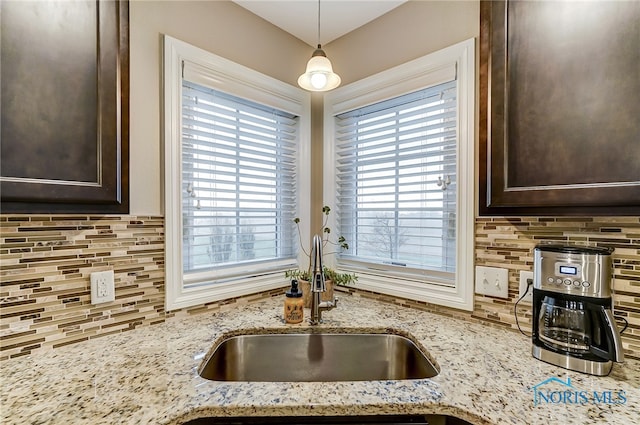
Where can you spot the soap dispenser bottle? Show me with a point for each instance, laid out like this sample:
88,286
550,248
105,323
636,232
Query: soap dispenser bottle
293,304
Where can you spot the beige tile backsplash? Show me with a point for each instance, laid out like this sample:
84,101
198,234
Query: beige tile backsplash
46,261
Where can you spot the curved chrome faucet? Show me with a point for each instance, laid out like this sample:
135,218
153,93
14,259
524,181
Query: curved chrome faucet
318,285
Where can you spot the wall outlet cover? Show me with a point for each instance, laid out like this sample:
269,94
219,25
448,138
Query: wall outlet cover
524,275
102,287
492,281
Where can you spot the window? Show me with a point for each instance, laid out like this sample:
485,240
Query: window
238,181
402,169
233,156
396,176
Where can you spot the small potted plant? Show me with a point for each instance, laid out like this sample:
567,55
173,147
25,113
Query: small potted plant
331,276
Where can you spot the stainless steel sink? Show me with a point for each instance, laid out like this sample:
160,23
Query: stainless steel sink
316,357
333,420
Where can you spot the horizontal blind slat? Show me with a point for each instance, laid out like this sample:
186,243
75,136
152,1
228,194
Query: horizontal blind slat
394,123
210,134
204,117
200,160
399,155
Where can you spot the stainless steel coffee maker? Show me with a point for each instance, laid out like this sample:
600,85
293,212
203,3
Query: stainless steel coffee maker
573,324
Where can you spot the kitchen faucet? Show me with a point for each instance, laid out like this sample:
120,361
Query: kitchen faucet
318,285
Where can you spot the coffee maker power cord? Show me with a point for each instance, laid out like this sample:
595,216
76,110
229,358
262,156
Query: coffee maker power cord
515,308
626,323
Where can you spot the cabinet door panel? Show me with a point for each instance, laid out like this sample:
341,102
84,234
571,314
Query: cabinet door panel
64,130
560,132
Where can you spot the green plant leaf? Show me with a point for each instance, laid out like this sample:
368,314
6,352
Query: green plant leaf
338,278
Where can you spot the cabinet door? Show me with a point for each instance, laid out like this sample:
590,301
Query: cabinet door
559,108
65,106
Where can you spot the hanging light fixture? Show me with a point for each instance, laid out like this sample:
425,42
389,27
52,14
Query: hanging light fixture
319,75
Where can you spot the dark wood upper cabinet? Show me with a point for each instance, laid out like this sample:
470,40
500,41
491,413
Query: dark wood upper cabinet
559,108
65,106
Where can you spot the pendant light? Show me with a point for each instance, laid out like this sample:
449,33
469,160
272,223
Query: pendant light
319,75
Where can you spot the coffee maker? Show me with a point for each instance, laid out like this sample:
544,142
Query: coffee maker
573,324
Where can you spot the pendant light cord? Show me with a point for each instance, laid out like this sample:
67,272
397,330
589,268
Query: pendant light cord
318,23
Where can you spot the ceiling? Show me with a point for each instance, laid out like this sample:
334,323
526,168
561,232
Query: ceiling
337,17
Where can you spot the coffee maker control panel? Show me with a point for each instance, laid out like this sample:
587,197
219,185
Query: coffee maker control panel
575,270
568,274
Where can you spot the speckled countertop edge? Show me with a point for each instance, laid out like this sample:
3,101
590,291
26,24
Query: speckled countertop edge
149,375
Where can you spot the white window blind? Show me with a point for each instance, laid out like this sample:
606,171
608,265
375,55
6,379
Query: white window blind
238,185
397,182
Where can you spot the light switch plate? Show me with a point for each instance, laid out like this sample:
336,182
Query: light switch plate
102,287
492,281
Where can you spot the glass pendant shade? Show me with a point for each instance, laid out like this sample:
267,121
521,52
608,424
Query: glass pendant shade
319,75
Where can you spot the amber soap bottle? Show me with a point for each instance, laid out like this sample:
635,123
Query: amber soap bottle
293,304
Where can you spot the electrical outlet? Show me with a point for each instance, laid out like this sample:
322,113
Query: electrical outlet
492,281
102,287
524,275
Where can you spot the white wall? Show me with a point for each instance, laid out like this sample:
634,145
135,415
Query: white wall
221,27
407,32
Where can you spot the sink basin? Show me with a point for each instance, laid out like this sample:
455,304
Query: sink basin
316,357
334,420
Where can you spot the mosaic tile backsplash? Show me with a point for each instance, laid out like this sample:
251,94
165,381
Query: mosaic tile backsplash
46,261
45,291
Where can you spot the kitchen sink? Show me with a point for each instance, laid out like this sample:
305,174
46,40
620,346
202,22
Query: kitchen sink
316,357
335,420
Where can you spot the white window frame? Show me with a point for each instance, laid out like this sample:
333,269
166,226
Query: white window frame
429,70
221,74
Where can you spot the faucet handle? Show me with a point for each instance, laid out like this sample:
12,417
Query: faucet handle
329,305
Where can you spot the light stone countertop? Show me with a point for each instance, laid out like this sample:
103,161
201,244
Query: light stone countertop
149,375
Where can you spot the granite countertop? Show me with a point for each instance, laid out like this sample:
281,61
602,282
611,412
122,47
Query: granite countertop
149,375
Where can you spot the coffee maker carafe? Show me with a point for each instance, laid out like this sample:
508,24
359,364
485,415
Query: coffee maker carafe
573,323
